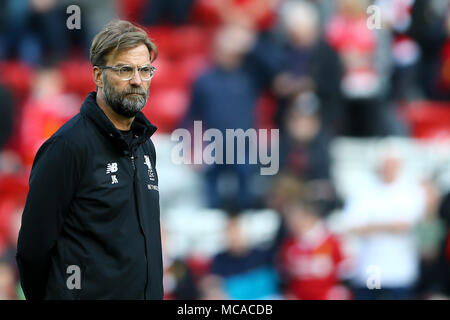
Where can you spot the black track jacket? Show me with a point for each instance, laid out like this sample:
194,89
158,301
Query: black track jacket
93,203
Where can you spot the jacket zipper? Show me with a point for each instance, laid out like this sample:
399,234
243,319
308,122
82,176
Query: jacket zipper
140,224
132,162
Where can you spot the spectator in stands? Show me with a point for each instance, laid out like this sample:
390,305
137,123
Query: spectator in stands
179,282
211,288
35,31
176,12
6,119
311,258
362,81
284,189
9,275
430,235
439,283
94,16
47,108
256,14
10,217
7,281
13,16
383,215
304,148
308,63
245,272
225,97
442,78
428,29
400,48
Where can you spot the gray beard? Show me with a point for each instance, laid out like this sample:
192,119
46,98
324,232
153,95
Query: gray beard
121,102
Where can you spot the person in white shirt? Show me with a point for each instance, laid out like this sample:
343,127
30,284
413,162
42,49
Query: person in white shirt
384,216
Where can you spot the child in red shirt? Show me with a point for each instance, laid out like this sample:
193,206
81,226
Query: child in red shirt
311,257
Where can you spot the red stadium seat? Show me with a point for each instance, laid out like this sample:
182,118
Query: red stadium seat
167,75
265,111
78,77
166,108
131,9
175,43
428,119
199,265
17,76
205,12
177,74
13,192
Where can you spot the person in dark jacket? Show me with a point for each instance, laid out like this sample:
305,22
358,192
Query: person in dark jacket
90,227
6,120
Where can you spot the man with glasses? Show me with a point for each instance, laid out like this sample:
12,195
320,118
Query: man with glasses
90,227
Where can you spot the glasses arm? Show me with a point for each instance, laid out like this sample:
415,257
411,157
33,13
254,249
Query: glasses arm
107,67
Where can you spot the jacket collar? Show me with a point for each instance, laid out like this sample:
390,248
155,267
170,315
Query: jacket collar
142,128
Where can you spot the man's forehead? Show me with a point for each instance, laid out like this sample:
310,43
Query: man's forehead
135,56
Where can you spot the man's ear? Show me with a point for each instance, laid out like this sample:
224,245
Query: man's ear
97,75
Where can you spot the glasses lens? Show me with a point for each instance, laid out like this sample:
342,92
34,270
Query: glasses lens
145,73
126,72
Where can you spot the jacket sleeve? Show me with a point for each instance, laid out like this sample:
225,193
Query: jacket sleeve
53,181
153,151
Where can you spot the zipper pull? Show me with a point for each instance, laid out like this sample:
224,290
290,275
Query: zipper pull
132,162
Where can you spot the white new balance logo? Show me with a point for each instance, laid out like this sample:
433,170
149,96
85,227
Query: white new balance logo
150,169
147,162
111,168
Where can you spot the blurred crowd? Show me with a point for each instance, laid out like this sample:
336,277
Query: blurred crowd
313,69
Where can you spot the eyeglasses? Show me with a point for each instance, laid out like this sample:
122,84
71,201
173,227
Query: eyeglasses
127,72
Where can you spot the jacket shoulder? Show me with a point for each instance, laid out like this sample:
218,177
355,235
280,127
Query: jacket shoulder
74,132
151,146
73,135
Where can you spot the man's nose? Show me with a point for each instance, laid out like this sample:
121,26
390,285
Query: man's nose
136,80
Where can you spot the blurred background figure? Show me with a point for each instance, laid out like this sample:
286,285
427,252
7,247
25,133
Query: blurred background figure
441,283
179,282
246,273
305,146
10,218
308,63
7,281
32,30
384,215
176,12
47,108
430,29
311,258
225,97
365,69
211,288
256,14
6,120
305,149
435,272
406,53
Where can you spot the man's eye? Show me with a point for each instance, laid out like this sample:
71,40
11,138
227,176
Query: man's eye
126,69
145,69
